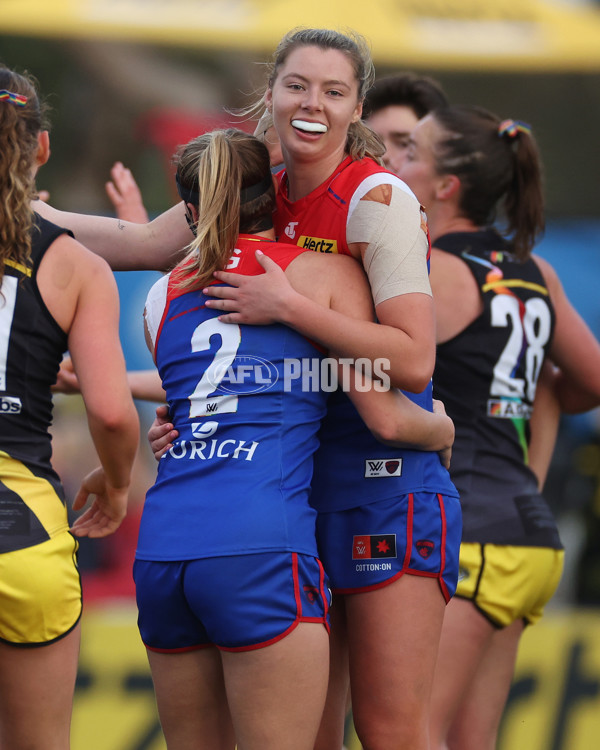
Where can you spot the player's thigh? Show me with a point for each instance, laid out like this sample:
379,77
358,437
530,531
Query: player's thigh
465,636
276,693
36,693
475,725
393,635
331,730
191,700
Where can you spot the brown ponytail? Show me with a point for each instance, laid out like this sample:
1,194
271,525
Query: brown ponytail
500,171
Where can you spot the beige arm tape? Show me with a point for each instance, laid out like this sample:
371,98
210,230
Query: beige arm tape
396,257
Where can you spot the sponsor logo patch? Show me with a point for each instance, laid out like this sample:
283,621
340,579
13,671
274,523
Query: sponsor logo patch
370,547
10,405
505,408
317,244
383,467
290,230
204,429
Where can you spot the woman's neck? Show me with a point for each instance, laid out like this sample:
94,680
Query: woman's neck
267,234
305,176
442,222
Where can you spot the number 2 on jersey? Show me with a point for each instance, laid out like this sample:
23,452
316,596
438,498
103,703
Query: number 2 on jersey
202,401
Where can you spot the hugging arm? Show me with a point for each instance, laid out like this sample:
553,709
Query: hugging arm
386,232
127,246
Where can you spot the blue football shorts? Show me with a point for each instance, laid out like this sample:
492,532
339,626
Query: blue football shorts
237,603
370,546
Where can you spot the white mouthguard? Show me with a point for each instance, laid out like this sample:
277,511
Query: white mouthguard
310,127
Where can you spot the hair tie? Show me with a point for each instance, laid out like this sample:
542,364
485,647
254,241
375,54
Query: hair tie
512,127
9,96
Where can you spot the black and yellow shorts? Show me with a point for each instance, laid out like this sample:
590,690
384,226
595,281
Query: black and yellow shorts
508,583
40,592
40,587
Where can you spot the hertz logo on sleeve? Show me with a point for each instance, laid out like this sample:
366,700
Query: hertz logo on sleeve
317,244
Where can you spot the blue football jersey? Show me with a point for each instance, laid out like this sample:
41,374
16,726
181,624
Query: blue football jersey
237,479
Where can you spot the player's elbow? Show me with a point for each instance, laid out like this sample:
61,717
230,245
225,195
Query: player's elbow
114,418
384,427
414,378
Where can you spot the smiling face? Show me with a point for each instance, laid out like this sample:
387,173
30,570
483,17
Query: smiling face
394,124
314,99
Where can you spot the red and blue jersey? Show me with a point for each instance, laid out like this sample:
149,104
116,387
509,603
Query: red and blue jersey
237,479
351,467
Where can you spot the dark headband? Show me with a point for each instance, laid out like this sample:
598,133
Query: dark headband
246,194
187,195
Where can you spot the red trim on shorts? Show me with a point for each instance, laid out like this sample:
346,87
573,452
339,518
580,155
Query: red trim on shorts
444,588
409,530
297,596
262,644
299,617
181,650
382,584
406,569
324,597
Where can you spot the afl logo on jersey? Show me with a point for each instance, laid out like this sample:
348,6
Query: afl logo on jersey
242,375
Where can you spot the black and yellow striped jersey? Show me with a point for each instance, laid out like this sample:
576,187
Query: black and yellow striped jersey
31,347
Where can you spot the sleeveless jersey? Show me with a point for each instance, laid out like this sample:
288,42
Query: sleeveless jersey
333,200
487,376
31,347
351,467
238,476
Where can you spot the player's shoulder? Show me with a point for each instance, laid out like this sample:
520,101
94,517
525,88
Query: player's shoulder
66,253
549,274
328,263
384,187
